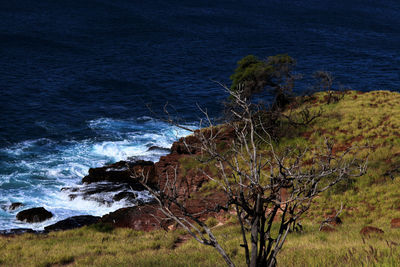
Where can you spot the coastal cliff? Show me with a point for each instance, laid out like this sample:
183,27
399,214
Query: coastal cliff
147,216
366,234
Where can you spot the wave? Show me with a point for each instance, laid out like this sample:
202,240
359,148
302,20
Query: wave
34,171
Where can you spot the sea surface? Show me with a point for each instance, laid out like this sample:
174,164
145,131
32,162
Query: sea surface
78,78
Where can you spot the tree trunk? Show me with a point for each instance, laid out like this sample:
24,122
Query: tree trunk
254,235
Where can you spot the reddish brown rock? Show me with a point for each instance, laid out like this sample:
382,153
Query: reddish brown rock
191,144
189,185
147,217
395,223
186,145
169,166
139,218
367,230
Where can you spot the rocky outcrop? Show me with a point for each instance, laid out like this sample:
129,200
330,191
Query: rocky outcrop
73,222
188,184
34,215
67,224
127,195
11,207
115,182
192,145
140,218
104,193
368,230
146,217
186,145
124,172
169,166
158,148
15,206
123,177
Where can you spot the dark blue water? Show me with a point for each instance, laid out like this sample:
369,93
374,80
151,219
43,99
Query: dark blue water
76,76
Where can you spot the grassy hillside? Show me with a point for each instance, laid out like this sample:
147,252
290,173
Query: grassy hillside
370,121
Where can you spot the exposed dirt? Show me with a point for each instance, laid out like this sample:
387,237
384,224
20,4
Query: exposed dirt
395,223
368,230
181,240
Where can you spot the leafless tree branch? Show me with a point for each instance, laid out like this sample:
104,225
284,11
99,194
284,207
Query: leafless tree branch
263,184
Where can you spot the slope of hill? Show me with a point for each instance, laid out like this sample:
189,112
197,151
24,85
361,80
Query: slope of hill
369,234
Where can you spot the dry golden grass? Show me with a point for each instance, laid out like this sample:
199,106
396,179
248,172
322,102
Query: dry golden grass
124,247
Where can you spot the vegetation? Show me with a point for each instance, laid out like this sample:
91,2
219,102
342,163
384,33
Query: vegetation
262,184
362,119
125,247
274,76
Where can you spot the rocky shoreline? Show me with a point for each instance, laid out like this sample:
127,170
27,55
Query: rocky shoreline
121,180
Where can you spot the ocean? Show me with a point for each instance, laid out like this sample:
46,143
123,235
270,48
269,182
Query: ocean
82,82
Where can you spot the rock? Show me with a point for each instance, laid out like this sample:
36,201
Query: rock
73,222
95,188
122,171
130,196
103,193
34,215
71,189
15,205
139,218
107,184
186,145
395,223
187,184
18,231
191,144
158,148
147,217
367,230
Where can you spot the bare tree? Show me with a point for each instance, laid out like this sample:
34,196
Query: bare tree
325,83
263,184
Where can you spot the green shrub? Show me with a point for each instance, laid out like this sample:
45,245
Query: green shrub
102,227
211,222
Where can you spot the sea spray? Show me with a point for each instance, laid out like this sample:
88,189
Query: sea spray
34,171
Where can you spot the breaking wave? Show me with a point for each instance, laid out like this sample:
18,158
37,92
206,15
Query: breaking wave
34,171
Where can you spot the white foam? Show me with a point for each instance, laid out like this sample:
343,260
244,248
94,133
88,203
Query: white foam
40,168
